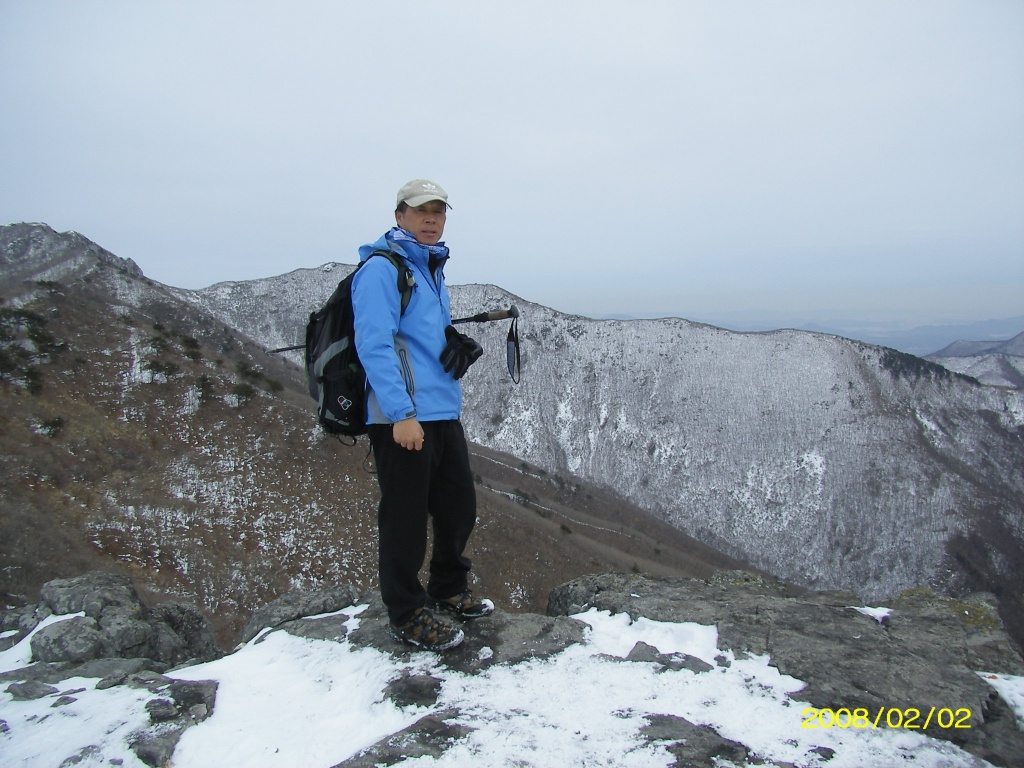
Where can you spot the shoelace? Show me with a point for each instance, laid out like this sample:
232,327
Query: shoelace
427,624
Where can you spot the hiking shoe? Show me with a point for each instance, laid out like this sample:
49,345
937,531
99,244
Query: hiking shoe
465,606
427,632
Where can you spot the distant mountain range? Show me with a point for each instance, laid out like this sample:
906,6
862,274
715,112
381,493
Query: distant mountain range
829,462
998,363
923,340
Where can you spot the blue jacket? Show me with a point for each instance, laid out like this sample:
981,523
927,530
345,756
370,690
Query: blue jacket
401,352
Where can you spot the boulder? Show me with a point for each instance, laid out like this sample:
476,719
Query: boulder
182,632
74,640
92,594
116,624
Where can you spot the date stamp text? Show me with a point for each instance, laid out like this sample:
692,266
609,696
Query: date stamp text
910,718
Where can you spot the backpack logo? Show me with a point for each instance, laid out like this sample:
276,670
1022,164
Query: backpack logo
344,402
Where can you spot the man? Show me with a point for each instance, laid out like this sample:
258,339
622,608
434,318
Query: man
414,360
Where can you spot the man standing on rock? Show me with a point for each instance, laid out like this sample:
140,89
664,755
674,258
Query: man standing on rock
414,359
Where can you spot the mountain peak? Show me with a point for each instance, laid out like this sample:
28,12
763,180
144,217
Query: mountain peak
36,252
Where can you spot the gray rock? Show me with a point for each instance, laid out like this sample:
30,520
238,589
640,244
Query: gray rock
115,671
196,698
91,593
161,710
127,635
186,634
153,682
110,671
41,672
332,628
668,661
413,690
86,755
21,621
74,640
643,652
693,745
296,605
678,661
509,638
431,736
30,690
926,653
155,746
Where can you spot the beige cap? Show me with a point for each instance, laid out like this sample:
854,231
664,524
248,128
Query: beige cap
420,191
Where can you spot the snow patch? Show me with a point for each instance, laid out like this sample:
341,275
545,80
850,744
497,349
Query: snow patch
878,614
1011,689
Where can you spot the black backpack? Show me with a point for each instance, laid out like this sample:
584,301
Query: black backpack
335,376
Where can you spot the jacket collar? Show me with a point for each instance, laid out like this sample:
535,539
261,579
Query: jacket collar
403,243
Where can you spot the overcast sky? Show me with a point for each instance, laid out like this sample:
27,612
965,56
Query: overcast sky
860,159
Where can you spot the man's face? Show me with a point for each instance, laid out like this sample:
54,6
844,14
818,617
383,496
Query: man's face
424,222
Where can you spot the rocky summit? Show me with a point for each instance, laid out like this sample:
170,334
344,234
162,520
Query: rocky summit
914,659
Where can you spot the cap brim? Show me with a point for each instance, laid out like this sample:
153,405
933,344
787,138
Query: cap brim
419,200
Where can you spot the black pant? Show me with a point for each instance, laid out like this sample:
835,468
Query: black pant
436,482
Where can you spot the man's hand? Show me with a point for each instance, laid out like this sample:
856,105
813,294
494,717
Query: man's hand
408,433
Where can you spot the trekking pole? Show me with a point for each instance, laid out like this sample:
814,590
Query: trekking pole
484,317
285,349
494,314
511,343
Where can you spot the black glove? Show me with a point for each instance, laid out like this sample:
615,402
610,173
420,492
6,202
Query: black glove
460,353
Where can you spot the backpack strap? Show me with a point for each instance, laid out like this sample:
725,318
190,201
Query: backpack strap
406,279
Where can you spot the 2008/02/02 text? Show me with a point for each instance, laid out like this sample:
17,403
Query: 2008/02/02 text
887,717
